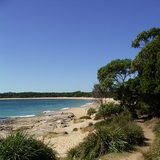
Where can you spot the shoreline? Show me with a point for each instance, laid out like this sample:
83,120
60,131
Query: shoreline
76,98
67,109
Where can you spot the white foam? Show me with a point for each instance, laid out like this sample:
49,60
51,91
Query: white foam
64,108
47,111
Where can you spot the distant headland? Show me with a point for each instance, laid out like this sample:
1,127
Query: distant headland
17,95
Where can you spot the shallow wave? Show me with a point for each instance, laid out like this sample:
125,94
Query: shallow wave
26,116
87,104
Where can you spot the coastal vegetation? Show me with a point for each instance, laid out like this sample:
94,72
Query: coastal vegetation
108,110
135,85
91,111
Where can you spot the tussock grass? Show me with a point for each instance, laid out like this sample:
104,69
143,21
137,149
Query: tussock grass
20,146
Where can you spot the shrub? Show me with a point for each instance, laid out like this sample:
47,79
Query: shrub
85,117
91,111
134,134
97,116
65,132
75,129
73,153
103,123
109,109
20,146
119,120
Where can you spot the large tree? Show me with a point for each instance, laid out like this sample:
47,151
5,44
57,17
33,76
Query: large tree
147,64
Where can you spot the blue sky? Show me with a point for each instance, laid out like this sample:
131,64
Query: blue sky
58,45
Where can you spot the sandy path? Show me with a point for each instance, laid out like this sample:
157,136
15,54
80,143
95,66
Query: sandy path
67,142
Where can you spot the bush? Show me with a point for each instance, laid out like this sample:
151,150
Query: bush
91,111
109,109
85,117
119,120
97,116
73,153
20,146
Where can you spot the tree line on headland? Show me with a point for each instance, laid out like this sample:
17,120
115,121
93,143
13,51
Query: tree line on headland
45,94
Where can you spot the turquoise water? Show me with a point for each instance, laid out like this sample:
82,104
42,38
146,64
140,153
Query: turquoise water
28,107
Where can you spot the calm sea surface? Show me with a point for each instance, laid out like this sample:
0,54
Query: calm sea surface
28,107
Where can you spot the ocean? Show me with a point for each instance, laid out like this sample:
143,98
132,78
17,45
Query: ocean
31,107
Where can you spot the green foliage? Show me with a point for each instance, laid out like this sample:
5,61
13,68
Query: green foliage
20,146
146,55
98,91
113,135
107,110
145,37
73,154
134,134
91,111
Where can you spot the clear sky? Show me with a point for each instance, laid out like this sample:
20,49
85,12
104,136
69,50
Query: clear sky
58,45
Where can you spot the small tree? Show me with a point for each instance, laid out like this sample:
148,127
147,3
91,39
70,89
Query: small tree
107,110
